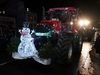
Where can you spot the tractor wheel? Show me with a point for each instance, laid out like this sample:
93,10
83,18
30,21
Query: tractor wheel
64,49
80,44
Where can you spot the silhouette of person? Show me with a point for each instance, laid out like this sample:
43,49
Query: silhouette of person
97,44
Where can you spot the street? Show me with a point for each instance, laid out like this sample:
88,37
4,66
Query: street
85,63
80,65
30,67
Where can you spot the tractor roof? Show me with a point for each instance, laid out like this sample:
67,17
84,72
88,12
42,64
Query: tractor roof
49,22
62,8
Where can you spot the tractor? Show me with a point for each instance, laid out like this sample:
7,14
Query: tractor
60,27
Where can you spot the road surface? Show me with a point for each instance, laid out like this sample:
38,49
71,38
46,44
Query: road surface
80,65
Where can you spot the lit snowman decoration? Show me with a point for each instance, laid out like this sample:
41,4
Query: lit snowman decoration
26,48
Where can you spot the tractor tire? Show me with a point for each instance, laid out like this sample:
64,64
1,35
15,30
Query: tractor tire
80,44
77,43
64,49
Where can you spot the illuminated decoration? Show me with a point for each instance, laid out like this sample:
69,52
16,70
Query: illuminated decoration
3,12
27,9
26,48
43,34
50,24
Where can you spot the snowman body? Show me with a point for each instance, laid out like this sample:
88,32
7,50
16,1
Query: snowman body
26,47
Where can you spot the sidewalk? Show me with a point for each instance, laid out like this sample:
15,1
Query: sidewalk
95,58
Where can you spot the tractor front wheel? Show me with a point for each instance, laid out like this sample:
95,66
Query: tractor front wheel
64,49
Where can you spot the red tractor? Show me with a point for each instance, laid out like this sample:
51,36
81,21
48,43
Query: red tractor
61,28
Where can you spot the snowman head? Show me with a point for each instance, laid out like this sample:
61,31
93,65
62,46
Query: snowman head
25,31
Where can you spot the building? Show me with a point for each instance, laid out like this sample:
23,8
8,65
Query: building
7,26
7,30
14,13
31,18
19,10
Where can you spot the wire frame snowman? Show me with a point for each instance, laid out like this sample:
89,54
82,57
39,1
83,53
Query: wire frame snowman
26,48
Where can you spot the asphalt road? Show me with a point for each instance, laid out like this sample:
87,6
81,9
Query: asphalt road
31,67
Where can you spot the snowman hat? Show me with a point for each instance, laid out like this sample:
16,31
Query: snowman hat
25,24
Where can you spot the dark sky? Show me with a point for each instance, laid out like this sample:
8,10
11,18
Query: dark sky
57,3
84,4
89,7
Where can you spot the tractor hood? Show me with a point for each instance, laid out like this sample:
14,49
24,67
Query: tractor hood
55,25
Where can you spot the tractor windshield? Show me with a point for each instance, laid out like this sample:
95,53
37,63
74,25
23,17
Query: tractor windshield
62,15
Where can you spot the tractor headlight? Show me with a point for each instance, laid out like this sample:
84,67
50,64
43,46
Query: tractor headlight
83,22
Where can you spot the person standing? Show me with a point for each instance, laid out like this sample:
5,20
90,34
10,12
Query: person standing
97,44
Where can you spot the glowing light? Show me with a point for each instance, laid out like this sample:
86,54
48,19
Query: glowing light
27,9
84,22
81,23
3,12
43,34
71,23
54,25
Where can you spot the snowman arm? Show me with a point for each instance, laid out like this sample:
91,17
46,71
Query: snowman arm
33,31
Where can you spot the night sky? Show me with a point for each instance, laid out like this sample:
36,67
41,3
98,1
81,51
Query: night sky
91,8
